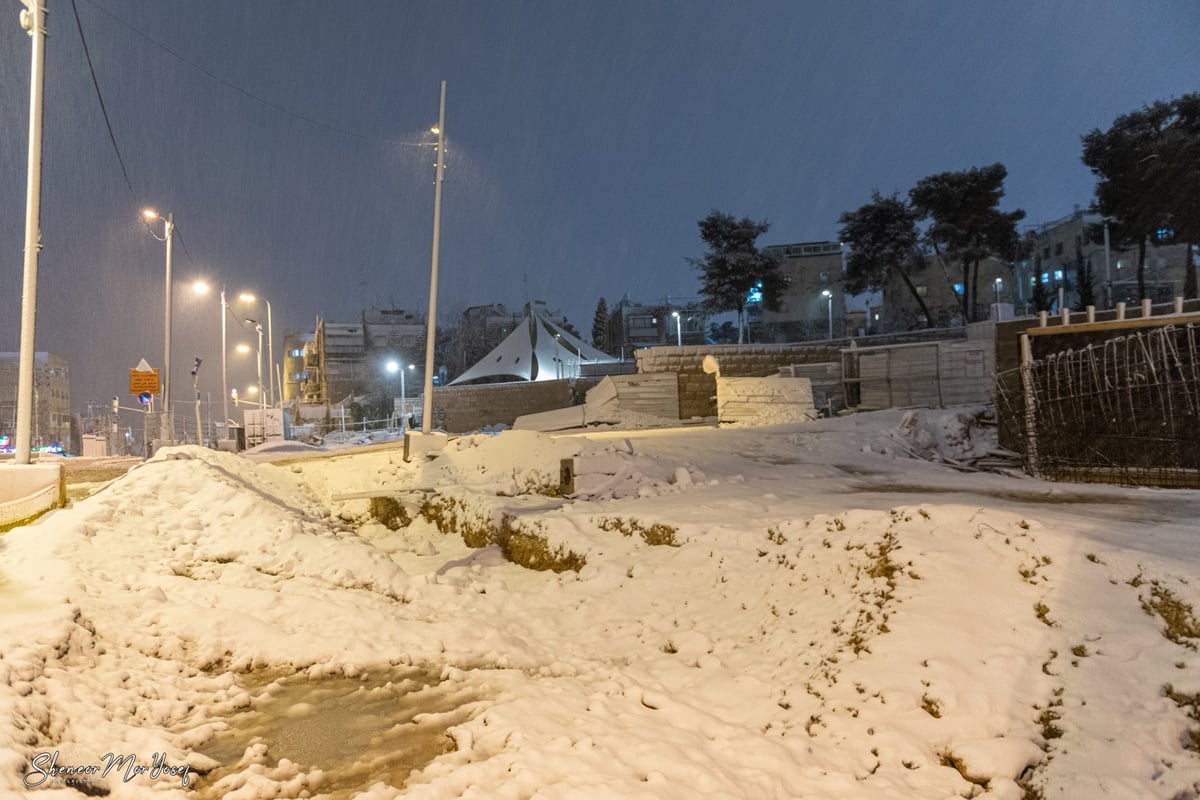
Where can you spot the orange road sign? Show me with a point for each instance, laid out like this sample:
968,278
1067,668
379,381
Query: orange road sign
141,380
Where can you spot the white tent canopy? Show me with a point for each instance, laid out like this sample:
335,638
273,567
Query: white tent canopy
536,350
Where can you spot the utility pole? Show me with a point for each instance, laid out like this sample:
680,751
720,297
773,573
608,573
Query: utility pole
431,323
33,20
196,386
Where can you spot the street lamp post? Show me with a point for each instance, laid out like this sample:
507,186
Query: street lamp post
250,298
431,327
678,328
258,327
403,402
167,429
997,284
393,367
196,387
33,20
202,288
829,296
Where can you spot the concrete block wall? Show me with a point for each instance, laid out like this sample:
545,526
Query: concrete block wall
461,409
698,391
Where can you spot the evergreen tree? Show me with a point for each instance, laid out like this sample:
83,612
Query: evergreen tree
1147,166
966,224
734,265
600,326
883,241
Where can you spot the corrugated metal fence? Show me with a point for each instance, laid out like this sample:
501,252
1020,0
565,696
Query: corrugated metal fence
926,374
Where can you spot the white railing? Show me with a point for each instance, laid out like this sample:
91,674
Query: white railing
24,508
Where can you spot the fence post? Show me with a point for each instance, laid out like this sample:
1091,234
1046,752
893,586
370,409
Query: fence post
1031,449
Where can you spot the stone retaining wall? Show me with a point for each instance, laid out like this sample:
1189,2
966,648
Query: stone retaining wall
461,409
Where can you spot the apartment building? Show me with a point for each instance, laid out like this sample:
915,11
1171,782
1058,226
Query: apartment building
51,419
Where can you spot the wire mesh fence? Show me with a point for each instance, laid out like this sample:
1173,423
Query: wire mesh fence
1123,410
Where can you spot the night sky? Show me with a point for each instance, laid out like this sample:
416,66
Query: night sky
585,139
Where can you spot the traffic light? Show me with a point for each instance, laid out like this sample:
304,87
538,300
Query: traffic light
116,405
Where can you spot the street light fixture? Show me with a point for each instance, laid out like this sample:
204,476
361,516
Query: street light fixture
431,326
167,428
678,328
393,367
202,288
258,327
996,284
247,297
829,296
33,21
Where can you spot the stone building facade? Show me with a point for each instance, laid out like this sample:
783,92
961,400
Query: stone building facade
51,421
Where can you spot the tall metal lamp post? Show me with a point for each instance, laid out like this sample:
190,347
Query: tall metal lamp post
167,428
678,328
431,328
394,367
33,20
996,284
202,288
829,297
247,297
262,398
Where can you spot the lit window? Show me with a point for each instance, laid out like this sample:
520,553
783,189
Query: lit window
1058,275
755,295
1045,277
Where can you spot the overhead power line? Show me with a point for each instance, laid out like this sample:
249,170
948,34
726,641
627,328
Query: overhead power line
99,96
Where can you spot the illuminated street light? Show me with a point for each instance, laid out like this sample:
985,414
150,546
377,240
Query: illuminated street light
167,429
829,295
431,332
247,297
678,328
259,329
996,285
202,288
393,367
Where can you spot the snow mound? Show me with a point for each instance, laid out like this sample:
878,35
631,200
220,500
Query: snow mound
951,436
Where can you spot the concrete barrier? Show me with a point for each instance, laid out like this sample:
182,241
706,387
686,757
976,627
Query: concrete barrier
29,490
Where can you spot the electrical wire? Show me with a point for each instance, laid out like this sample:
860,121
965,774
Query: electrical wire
112,137
99,96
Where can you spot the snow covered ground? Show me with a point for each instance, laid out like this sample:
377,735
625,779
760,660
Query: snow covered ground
762,612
